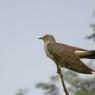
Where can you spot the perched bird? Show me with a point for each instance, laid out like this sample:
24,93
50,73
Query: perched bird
67,56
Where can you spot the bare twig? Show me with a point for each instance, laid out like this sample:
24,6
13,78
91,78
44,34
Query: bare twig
62,80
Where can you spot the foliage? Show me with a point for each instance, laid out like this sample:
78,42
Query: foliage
77,85
22,91
92,36
50,87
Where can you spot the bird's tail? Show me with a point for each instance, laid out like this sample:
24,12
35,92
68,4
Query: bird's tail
91,54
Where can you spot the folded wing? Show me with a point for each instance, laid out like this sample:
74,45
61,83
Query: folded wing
64,56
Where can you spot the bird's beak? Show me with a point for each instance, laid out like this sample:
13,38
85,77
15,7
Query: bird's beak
40,38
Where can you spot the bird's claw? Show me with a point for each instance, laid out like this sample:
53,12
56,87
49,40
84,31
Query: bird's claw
58,69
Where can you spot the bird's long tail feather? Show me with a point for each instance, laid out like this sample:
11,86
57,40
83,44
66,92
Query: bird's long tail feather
90,54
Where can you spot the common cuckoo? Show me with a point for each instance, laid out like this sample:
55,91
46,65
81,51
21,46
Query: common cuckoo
67,56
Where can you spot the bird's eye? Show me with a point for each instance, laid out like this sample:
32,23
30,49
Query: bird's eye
46,37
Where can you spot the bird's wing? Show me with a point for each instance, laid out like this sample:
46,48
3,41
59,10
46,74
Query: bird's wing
83,53
61,49
79,52
64,56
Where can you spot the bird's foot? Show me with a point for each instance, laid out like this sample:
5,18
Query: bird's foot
58,69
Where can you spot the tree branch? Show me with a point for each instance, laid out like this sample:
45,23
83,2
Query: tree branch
62,80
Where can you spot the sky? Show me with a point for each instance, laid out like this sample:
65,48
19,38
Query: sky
22,58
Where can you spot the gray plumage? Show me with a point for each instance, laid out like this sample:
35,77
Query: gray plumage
67,56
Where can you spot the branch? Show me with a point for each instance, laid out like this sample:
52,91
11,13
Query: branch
62,80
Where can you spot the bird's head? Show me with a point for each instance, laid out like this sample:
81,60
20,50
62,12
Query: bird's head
48,38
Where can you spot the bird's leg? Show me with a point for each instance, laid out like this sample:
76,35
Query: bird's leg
58,69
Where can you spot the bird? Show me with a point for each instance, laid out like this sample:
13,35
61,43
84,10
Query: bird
67,56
